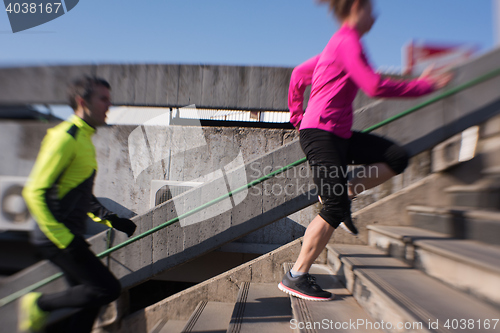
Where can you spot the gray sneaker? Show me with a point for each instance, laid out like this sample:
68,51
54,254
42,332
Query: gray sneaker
304,287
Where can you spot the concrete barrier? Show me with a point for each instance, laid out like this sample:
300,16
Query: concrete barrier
206,86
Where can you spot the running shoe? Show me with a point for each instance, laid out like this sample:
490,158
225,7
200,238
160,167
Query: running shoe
304,287
31,317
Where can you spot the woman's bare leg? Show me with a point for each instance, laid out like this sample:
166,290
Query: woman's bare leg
317,235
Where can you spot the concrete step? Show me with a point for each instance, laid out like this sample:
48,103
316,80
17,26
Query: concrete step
458,222
483,194
492,171
170,326
465,265
261,307
338,315
405,299
398,241
211,317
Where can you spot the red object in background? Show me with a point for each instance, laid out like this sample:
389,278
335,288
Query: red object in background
417,56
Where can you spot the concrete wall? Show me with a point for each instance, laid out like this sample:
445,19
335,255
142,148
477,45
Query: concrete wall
206,86
173,153
128,163
192,154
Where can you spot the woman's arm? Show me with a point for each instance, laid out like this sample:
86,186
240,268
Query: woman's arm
373,84
300,79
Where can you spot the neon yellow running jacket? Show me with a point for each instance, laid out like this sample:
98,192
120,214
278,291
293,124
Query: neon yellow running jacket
59,189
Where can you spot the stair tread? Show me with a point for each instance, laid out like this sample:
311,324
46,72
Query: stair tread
210,317
342,309
427,209
400,232
491,185
422,296
266,309
468,251
483,214
172,326
491,171
474,253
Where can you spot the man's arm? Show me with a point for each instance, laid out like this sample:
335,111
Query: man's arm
54,157
102,215
99,213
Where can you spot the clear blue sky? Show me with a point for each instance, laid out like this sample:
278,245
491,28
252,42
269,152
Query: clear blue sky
234,32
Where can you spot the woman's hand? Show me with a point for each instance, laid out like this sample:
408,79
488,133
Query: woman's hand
438,79
298,126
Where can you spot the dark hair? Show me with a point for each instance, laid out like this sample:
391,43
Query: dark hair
341,8
84,87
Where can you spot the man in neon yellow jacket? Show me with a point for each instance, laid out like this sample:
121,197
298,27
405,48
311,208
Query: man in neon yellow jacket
59,196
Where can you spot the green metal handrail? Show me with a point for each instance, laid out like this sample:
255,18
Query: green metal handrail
8,299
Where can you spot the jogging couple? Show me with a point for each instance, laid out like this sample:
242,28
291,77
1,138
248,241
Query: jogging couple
59,191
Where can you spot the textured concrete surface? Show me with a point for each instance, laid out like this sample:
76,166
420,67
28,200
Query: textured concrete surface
163,149
128,167
222,288
391,291
206,86
261,307
333,316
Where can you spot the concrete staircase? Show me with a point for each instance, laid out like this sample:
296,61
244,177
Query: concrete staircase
473,214
408,278
432,266
442,271
262,307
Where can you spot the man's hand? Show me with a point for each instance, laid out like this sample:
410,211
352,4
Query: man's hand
122,224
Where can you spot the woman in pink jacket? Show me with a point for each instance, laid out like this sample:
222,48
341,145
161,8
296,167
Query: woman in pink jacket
336,75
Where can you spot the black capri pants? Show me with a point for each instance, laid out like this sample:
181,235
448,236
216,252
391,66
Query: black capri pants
91,284
329,155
